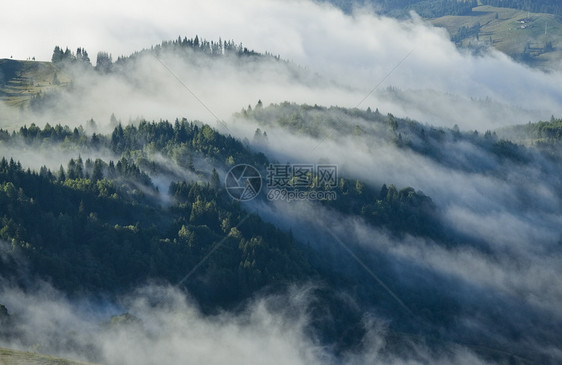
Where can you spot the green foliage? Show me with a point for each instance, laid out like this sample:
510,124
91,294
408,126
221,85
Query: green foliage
59,56
466,32
100,235
218,48
404,211
425,8
551,131
182,141
94,229
535,6
439,8
104,62
101,226
338,123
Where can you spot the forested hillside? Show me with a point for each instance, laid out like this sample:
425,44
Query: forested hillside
535,6
103,225
425,8
439,8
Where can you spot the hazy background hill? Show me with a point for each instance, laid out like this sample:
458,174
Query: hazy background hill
528,31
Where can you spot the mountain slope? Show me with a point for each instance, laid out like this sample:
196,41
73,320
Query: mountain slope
434,231
21,81
527,31
105,227
14,357
534,38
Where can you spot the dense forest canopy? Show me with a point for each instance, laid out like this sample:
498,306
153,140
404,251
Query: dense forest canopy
439,8
535,6
425,8
103,226
104,60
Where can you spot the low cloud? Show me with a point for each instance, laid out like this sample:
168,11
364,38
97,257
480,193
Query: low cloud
164,326
351,55
504,213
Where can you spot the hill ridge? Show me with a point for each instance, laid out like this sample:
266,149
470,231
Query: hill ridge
15,357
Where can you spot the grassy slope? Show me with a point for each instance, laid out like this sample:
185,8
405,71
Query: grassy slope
21,80
506,32
13,357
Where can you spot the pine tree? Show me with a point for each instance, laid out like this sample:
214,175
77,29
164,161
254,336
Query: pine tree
215,182
58,55
61,174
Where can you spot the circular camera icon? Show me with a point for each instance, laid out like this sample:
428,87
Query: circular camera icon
243,182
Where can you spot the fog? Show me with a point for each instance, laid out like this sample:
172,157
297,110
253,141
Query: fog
345,57
478,194
168,328
504,214
52,156
497,290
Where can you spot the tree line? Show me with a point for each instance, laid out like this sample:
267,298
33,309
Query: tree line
425,8
535,6
105,63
